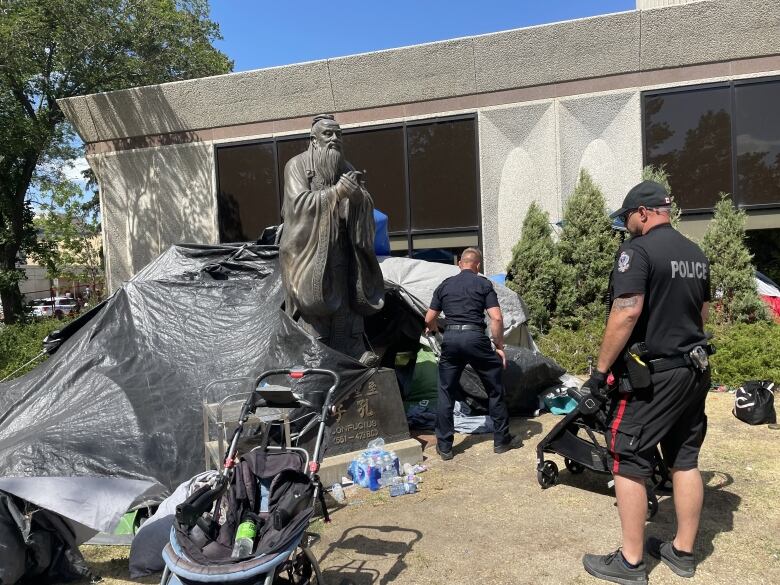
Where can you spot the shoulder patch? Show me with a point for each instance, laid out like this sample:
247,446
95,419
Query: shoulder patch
624,261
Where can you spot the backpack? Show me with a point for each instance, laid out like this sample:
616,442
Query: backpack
754,402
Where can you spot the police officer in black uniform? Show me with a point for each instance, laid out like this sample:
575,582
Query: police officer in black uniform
655,346
464,299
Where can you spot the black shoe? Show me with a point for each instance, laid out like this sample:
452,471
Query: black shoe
683,566
514,442
445,455
613,568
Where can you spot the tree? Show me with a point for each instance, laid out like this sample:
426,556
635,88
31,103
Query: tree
587,250
535,268
53,49
732,276
72,226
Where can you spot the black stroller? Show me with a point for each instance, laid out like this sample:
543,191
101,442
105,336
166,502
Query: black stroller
579,437
273,488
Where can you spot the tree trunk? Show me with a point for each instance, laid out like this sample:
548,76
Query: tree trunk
13,305
10,295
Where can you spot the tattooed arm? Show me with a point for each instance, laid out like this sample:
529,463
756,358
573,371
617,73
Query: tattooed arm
622,319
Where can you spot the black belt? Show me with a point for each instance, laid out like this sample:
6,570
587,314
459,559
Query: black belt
464,328
669,363
680,361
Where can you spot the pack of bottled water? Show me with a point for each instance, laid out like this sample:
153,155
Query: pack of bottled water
375,467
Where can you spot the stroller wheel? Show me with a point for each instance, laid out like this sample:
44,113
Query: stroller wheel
573,466
547,474
652,504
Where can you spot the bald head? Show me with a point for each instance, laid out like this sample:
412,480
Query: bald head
470,259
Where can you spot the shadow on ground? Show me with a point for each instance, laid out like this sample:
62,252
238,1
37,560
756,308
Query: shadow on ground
368,555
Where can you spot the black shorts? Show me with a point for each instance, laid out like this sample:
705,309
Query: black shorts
670,413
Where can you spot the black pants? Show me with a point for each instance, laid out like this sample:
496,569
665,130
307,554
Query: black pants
458,349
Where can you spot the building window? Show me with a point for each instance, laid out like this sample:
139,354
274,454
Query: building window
713,139
758,142
443,180
689,133
422,175
248,199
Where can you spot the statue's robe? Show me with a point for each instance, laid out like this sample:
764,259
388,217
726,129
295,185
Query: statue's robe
327,249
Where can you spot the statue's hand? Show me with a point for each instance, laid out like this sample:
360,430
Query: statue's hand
347,184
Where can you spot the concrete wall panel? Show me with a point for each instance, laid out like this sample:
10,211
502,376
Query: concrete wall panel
423,72
715,30
151,199
601,133
239,98
186,208
518,165
127,182
563,51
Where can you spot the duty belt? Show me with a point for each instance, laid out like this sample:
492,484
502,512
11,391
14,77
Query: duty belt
464,328
696,358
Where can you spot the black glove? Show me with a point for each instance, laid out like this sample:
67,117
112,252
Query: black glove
595,390
597,385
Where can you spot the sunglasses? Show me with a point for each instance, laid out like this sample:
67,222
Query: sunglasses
626,214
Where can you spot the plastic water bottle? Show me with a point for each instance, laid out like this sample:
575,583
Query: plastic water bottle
388,471
374,473
396,462
245,540
338,493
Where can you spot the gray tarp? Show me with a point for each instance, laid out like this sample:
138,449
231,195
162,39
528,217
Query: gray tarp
417,279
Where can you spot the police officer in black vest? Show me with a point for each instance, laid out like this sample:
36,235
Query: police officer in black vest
655,346
464,299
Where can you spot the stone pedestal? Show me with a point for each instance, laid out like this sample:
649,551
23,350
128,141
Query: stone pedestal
371,411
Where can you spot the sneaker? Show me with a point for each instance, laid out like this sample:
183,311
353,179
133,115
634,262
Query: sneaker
613,568
445,455
683,566
514,442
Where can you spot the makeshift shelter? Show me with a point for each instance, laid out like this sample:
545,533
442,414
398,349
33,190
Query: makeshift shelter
116,411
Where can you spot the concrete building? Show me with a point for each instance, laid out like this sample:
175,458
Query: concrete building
460,136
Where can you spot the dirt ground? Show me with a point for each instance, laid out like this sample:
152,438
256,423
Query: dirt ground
482,518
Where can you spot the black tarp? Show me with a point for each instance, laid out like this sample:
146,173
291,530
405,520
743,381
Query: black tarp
122,397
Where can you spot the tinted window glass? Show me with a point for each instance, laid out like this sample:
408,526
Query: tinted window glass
247,199
381,154
443,174
689,132
758,142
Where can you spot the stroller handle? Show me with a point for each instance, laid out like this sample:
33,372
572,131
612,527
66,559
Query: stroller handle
299,372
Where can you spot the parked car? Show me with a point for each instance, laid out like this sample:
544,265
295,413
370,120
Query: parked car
56,307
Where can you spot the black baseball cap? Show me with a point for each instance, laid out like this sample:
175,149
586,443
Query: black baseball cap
645,194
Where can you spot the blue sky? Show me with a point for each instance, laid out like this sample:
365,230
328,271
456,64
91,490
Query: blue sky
265,33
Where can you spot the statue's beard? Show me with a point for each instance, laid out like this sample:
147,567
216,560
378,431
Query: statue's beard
327,164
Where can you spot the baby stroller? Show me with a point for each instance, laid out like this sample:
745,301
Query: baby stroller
579,437
271,487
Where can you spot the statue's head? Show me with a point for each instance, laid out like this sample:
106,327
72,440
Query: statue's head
326,144
326,132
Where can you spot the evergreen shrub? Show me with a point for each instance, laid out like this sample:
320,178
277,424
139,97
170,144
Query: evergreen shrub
732,275
586,249
534,270
745,351
571,347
